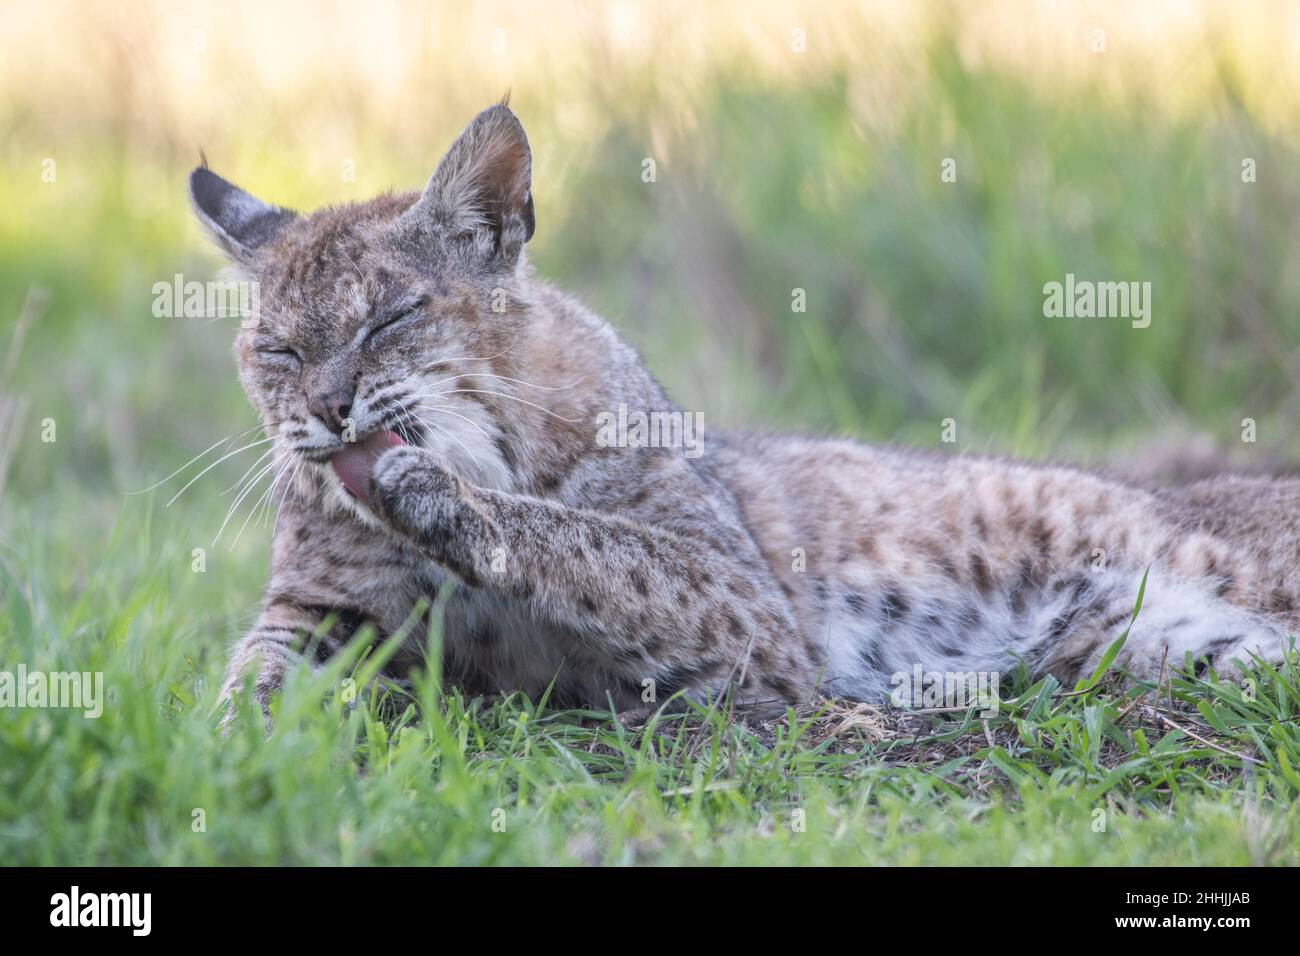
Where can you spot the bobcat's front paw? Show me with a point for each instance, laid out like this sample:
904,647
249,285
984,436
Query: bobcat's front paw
441,513
270,676
415,494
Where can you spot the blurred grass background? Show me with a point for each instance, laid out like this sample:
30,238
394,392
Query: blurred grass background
797,146
777,169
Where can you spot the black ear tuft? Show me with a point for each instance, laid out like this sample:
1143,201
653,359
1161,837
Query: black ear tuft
240,223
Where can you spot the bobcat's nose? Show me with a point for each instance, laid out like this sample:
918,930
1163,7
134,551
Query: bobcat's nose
333,408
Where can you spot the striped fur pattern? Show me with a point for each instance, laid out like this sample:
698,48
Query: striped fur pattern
770,566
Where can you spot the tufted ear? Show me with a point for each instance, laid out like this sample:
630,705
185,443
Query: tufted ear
241,224
482,189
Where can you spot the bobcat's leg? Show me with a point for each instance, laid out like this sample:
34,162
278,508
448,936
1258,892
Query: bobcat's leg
658,605
1083,613
274,644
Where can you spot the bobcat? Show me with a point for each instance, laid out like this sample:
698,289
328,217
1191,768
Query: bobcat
435,407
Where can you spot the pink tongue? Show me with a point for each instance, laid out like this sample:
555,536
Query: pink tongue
354,462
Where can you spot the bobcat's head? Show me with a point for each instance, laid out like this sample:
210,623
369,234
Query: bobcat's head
389,320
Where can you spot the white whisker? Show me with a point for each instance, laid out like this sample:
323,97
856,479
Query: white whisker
270,489
523,401
507,378
280,507
474,358
255,444
164,481
448,410
242,495
261,458
453,436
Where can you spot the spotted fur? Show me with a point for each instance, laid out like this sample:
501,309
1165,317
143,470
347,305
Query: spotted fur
773,566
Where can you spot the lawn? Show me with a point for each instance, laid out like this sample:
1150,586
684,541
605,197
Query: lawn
822,174
1184,773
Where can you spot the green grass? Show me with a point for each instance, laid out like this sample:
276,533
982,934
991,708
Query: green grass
924,303
423,776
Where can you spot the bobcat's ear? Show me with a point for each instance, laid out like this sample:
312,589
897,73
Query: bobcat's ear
482,189
241,224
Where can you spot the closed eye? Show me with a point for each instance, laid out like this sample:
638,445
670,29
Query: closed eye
398,320
282,354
